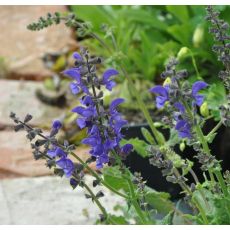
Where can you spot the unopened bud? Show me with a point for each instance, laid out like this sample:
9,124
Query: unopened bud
204,109
167,81
182,52
198,36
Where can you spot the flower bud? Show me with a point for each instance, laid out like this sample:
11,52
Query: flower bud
204,109
182,146
182,52
167,81
198,36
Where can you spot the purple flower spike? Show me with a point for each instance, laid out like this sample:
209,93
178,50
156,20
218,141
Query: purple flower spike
163,95
183,128
56,124
109,84
67,165
197,86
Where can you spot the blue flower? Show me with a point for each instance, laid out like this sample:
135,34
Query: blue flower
163,95
127,148
77,56
56,152
56,124
74,88
67,165
197,86
180,107
183,128
109,84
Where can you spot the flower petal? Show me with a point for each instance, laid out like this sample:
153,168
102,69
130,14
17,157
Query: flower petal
74,88
77,56
180,107
197,86
159,90
56,124
108,74
115,103
73,73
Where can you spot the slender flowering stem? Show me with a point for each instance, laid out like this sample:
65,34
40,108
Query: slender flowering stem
207,151
96,201
219,124
135,203
93,173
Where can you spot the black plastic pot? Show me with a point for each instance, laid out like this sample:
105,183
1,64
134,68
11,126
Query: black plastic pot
153,175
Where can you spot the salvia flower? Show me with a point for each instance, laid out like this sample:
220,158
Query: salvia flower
103,127
184,128
196,87
66,165
162,93
178,94
56,124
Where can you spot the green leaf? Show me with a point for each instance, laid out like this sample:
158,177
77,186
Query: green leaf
95,14
168,219
180,12
118,220
159,201
173,138
147,135
138,145
182,33
114,177
145,17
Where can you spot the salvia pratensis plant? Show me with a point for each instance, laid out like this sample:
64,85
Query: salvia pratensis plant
181,101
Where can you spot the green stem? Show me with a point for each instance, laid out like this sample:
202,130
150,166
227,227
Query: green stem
201,210
215,128
221,182
143,108
200,191
135,203
195,66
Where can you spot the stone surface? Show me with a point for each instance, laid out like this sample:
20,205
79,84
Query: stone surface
4,213
22,49
50,200
20,97
16,159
